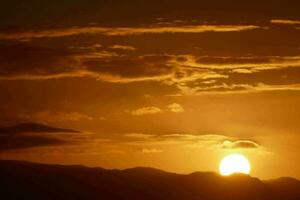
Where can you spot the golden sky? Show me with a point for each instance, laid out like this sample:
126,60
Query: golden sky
174,85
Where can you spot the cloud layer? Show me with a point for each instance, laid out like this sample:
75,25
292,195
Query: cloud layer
29,135
189,73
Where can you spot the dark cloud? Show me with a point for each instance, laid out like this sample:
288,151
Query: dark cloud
187,72
28,135
24,142
20,61
32,128
131,68
26,62
240,144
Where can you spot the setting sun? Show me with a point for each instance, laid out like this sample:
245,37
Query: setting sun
234,163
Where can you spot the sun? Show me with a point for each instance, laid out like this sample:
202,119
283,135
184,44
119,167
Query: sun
234,163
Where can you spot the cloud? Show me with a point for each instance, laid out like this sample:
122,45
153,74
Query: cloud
24,142
123,47
190,74
175,107
239,144
31,62
86,47
130,69
152,150
33,128
138,135
29,135
146,111
215,141
196,75
121,31
25,62
285,21
237,88
253,63
194,140
55,116
242,71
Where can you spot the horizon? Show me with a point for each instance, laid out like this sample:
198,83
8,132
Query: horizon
150,168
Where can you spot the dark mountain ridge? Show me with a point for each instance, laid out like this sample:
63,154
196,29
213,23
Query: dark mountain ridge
24,180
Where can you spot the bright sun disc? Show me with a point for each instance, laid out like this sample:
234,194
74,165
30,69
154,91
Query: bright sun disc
234,163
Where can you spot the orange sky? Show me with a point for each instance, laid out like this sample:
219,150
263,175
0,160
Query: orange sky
168,84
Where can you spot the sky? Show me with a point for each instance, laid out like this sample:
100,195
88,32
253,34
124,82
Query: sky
174,85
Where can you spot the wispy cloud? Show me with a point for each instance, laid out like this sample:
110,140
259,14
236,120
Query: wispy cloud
138,135
175,107
123,47
251,63
153,150
285,21
55,116
146,111
122,31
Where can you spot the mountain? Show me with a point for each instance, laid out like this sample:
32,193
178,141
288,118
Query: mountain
24,180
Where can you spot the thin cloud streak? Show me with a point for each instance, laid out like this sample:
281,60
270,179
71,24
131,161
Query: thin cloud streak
216,141
273,62
122,31
285,21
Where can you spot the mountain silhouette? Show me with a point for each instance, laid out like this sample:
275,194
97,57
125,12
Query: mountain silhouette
25,180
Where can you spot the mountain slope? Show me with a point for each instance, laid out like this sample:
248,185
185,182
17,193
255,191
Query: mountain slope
23,180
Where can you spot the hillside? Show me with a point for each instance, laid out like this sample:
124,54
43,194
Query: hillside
24,180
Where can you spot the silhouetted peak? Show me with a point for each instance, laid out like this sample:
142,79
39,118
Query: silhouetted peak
146,170
204,174
288,179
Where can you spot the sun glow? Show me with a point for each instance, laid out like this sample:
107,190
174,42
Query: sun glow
234,163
